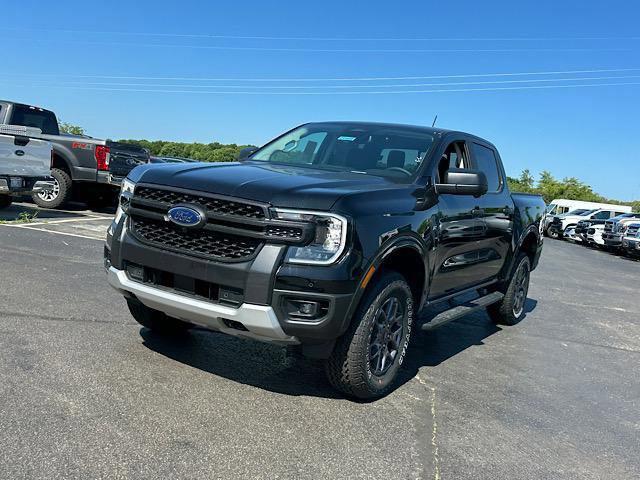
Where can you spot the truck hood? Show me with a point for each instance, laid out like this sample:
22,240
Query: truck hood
278,185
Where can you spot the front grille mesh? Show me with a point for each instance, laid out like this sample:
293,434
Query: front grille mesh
199,243
633,230
214,205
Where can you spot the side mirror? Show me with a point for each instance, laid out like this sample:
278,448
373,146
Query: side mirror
460,181
246,152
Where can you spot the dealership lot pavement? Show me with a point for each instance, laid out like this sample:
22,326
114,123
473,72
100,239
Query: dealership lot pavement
86,393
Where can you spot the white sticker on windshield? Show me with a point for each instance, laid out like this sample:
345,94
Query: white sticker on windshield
346,139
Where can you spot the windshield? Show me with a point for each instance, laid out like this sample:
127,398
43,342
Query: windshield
586,212
386,151
578,211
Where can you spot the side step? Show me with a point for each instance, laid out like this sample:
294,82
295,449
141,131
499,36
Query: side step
462,310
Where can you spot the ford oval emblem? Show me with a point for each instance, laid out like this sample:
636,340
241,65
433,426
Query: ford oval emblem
20,153
186,216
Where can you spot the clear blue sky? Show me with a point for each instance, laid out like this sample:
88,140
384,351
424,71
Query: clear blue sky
588,132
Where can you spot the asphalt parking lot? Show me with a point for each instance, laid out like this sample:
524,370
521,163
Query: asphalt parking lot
86,393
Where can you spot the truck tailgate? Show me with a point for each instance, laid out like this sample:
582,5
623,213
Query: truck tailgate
125,157
24,156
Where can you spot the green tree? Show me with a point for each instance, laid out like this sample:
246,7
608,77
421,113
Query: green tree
70,128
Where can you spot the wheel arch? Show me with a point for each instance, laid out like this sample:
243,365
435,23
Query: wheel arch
403,255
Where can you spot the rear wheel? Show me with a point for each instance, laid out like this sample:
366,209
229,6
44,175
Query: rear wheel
155,320
510,309
366,359
5,201
59,194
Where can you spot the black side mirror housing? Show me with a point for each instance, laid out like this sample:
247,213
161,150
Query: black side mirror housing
246,152
461,181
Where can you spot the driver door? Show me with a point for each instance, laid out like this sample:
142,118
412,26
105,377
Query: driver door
460,230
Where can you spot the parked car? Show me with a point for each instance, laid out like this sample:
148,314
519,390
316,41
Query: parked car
631,240
155,159
615,229
594,236
25,163
89,168
561,206
332,237
565,226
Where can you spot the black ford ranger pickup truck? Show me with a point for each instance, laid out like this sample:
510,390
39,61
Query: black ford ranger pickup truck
333,237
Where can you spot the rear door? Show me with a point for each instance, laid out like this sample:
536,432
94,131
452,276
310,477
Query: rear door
496,208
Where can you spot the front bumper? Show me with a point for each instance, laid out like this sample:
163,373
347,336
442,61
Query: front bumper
612,239
631,244
262,287
260,321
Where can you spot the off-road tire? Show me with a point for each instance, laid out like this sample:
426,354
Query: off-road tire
509,311
5,201
349,366
65,186
156,321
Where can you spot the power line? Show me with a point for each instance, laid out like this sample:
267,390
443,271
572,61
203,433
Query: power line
326,39
368,92
335,79
284,87
348,50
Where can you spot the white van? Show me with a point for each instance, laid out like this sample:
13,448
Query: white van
561,205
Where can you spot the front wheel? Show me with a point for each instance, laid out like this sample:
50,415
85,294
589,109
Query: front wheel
553,233
510,309
366,359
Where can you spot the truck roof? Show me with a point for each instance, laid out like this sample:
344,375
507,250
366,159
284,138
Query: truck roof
422,128
26,105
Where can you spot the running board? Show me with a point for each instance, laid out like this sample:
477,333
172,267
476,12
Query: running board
462,310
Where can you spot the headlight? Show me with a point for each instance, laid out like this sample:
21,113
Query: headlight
126,192
329,241
621,228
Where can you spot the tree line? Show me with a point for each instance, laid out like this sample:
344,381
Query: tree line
569,188
547,185
204,152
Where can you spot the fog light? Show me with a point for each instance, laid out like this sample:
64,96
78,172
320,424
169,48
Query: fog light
305,310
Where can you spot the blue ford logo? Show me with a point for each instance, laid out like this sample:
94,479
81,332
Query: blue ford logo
186,216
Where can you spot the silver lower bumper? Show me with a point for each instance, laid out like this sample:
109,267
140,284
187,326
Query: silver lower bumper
260,320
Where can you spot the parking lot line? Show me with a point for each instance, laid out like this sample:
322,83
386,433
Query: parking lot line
26,227
69,220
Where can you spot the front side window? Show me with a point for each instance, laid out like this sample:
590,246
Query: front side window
379,150
486,162
603,215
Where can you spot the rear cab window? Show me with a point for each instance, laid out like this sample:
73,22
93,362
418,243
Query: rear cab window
35,117
486,161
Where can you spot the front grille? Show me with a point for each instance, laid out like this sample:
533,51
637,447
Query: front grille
201,243
214,205
632,231
234,229
608,226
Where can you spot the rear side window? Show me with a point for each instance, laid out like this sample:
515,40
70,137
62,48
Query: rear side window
486,162
35,117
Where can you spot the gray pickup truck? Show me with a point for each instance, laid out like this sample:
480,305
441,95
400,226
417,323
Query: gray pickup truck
83,167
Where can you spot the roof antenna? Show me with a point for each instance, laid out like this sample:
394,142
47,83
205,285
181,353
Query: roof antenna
434,121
